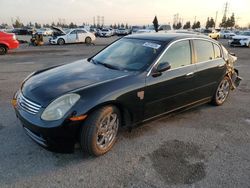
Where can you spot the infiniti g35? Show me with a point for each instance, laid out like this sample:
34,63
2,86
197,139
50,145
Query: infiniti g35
135,79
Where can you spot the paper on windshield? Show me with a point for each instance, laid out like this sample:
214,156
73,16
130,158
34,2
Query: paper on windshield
152,45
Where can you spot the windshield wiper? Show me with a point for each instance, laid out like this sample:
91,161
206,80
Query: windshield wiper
105,65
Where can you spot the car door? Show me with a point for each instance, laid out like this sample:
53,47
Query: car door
210,67
73,37
81,35
175,87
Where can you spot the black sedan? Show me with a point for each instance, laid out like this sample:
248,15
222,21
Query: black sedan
133,80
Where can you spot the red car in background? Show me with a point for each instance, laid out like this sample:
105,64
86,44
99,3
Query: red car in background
8,41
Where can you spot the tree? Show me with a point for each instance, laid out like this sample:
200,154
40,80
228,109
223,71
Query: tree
156,25
210,23
18,23
223,22
126,26
187,25
72,25
37,25
198,24
179,25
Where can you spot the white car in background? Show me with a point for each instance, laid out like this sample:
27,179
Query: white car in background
226,34
71,36
243,39
122,31
45,31
151,29
105,32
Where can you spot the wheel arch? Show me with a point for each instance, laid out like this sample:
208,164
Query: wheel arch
126,115
4,44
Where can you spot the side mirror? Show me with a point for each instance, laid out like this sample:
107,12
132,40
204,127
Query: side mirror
162,67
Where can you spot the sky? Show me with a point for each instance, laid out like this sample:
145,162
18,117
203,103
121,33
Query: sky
133,12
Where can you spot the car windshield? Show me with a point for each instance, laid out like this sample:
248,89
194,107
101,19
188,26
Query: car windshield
67,31
129,54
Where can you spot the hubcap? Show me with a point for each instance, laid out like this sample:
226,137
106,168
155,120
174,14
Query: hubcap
223,91
107,131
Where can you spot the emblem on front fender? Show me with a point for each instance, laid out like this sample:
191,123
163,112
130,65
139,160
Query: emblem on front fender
140,94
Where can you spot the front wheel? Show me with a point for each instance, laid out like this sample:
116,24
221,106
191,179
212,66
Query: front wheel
3,50
222,92
88,40
61,41
99,132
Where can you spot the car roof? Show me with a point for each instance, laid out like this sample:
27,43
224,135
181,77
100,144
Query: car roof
165,37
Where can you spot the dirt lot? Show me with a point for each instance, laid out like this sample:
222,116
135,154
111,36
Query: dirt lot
203,147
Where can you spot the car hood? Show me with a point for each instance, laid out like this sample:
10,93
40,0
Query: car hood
46,85
59,30
241,37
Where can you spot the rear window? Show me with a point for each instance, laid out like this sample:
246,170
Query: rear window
204,50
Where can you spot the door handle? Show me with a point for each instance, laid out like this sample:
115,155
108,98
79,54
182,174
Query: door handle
190,74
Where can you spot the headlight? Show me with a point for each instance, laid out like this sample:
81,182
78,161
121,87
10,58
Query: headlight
59,107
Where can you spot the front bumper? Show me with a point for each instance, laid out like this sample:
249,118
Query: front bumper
52,41
238,42
58,136
14,44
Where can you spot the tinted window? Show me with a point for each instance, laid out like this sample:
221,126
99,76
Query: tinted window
204,50
217,52
178,55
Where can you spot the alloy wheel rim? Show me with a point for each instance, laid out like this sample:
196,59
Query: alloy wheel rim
107,131
223,91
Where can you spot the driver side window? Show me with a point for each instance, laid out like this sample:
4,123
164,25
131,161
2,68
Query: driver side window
73,32
178,55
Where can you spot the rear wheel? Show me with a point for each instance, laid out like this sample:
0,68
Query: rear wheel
3,50
99,132
61,41
88,40
222,92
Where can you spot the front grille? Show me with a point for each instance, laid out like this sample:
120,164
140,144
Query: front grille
236,41
28,105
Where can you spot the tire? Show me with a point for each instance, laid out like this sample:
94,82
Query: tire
61,41
224,36
217,38
88,40
99,132
3,50
222,92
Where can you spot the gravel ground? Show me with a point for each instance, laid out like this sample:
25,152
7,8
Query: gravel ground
206,146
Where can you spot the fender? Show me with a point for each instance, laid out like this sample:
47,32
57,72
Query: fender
4,43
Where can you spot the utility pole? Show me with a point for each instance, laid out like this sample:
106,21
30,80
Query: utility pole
226,10
216,19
